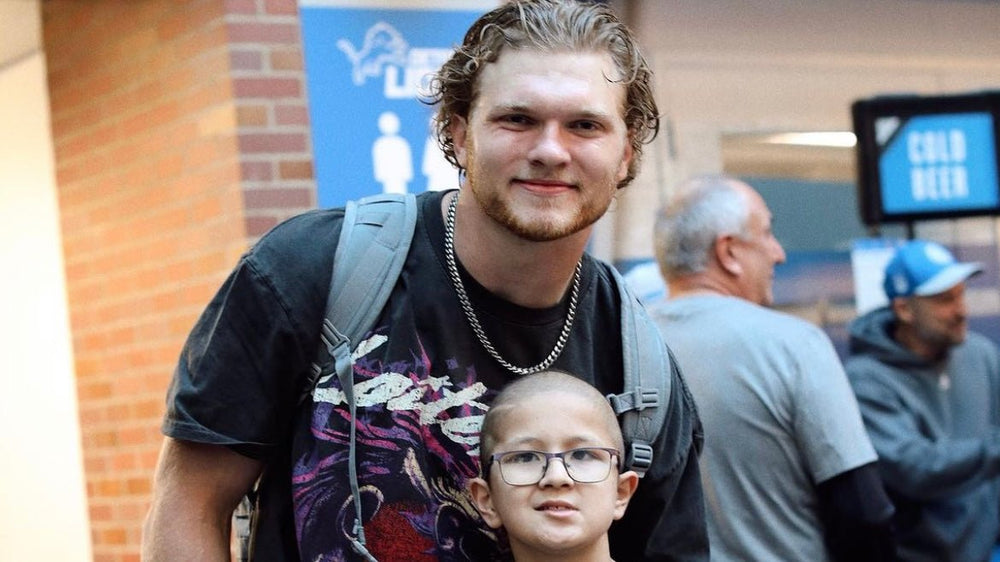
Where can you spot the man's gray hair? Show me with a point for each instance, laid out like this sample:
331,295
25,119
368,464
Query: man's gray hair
703,209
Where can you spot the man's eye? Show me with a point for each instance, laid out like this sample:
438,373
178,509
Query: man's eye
516,119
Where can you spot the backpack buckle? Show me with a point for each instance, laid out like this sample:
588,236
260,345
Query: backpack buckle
639,458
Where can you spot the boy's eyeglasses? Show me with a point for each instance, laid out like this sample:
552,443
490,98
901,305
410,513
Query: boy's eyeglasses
585,465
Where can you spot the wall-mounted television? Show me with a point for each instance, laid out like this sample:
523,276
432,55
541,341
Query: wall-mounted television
927,157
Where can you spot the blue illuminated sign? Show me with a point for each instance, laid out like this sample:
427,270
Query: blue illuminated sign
937,162
367,68
927,157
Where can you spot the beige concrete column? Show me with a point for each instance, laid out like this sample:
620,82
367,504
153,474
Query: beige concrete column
681,150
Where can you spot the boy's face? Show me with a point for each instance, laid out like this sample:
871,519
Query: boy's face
557,515
545,144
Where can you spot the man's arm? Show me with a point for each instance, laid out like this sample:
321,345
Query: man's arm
857,516
195,490
912,463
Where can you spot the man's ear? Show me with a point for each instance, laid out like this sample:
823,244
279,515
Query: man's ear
628,481
627,156
459,130
725,254
479,489
903,310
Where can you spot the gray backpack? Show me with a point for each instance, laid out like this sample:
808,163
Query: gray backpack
374,242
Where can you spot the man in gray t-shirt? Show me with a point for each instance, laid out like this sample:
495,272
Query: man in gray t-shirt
788,469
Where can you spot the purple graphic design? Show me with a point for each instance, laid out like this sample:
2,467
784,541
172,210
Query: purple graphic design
417,437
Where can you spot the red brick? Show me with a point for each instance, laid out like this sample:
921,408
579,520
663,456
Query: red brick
241,6
267,198
246,59
257,226
279,33
286,59
112,536
138,486
282,7
295,169
100,512
291,115
256,171
251,115
267,87
253,143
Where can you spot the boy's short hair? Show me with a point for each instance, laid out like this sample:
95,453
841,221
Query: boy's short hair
545,381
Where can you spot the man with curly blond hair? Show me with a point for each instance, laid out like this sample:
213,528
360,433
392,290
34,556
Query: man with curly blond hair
545,109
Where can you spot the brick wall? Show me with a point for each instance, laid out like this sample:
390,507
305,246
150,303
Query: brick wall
181,134
270,94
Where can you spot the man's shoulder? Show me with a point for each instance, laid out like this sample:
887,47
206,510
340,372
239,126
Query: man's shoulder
792,323
867,372
751,315
299,250
316,225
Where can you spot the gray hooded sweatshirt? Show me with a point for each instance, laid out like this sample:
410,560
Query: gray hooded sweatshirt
936,429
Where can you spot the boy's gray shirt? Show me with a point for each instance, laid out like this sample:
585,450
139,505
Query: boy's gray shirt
936,428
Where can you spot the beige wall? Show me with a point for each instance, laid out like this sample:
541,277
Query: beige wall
43,513
729,67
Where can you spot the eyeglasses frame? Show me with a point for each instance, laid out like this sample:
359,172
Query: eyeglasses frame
616,463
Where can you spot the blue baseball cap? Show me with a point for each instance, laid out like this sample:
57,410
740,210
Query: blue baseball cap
921,268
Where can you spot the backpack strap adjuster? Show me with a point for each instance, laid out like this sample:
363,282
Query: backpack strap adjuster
636,399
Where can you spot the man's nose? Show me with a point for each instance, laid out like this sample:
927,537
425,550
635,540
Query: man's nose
779,252
550,145
961,307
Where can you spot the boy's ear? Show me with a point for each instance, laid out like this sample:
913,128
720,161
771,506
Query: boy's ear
479,489
628,481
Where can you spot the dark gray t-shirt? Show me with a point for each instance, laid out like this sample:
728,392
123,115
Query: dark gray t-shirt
422,385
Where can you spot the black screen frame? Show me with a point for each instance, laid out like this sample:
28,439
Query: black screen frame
864,114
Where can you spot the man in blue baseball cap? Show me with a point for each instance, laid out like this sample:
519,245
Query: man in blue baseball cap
929,393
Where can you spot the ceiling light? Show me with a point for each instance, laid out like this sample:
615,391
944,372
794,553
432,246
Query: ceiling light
838,139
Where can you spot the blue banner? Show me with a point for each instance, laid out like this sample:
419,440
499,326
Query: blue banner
942,162
367,68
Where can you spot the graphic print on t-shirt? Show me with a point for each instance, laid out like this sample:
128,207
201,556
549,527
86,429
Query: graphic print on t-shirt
417,444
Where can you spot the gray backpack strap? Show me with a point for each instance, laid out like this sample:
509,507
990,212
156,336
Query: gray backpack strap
373,244
642,404
374,241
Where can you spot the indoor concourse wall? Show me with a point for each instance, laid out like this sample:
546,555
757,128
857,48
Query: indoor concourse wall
181,134
726,67
43,514
147,168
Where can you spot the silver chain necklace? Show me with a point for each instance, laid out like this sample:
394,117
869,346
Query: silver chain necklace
470,313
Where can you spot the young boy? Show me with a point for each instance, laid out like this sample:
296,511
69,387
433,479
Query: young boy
550,451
